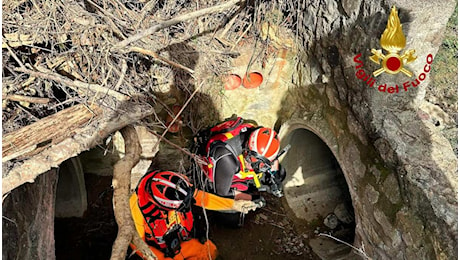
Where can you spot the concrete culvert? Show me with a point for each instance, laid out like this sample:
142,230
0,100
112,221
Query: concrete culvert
71,199
316,191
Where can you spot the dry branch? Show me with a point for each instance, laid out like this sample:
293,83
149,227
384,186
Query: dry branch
194,156
158,57
121,191
74,84
177,116
47,131
21,98
16,40
15,57
175,20
84,139
124,68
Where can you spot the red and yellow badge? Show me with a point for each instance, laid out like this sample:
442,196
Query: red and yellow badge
393,41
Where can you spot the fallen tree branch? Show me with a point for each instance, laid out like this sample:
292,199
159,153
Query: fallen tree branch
121,183
143,247
147,8
109,18
20,98
173,21
15,57
158,57
74,84
84,139
124,68
47,131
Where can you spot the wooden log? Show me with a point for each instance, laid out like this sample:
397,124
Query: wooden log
85,138
50,130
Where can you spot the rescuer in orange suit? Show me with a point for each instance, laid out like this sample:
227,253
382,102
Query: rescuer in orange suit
161,209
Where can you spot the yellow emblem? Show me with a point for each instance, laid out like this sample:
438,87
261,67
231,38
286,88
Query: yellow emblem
393,41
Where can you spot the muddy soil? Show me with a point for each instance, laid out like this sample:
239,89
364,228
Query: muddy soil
268,233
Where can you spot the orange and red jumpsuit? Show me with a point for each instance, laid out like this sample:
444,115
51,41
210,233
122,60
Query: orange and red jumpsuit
190,249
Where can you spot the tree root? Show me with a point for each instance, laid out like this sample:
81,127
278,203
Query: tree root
121,185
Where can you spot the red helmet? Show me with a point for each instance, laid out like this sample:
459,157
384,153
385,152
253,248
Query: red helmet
170,191
264,142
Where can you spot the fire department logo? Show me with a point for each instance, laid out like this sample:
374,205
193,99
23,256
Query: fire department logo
393,41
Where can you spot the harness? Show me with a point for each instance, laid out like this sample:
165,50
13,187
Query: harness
163,229
228,134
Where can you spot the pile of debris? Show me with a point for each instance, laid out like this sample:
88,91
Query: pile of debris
74,72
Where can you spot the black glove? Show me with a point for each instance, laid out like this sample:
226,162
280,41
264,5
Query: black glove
280,175
276,182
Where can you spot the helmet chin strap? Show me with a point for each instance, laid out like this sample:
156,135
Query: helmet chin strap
259,158
187,201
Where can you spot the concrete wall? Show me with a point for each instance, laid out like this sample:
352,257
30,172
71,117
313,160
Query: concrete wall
400,169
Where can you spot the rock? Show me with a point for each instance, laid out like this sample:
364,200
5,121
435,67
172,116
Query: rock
388,230
376,173
343,213
331,221
355,128
353,154
391,189
327,248
371,194
332,96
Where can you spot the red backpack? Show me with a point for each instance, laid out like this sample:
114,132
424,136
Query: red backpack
225,133
227,130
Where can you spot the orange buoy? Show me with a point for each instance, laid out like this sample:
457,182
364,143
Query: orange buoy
176,126
232,81
252,80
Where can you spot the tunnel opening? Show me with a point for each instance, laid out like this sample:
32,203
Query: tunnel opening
317,192
84,223
267,233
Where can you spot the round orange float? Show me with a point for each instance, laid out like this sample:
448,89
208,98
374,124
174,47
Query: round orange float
252,80
176,126
232,81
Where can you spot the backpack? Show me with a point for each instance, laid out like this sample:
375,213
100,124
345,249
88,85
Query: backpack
224,134
221,132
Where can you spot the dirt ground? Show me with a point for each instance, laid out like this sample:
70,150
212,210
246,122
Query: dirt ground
268,233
